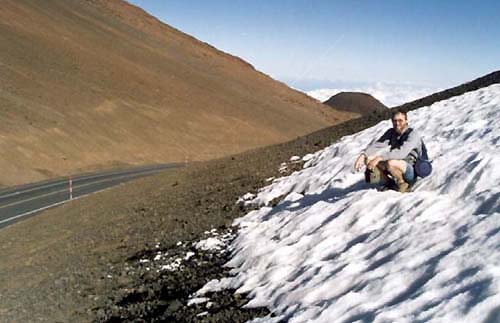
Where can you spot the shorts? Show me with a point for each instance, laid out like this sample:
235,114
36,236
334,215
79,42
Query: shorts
409,175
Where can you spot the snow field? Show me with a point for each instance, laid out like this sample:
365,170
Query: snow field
337,250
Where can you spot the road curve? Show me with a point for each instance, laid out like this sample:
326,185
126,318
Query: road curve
20,202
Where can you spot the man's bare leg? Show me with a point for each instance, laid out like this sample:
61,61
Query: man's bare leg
384,179
397,168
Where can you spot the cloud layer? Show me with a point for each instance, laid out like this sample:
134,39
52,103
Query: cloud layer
389,94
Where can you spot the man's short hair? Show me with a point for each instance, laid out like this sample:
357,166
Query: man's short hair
398,111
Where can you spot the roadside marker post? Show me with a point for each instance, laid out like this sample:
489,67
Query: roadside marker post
70,188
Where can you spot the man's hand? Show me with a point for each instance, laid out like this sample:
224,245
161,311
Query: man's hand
372,163
360,162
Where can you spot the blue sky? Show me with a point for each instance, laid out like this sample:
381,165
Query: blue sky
311,44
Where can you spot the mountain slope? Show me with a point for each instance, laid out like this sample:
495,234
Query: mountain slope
480,82
88,84
356,102
118,225
337,250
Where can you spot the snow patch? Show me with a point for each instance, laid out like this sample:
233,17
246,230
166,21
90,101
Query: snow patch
210,244
337,250
197,300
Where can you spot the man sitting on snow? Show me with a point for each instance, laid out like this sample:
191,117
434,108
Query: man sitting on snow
391,158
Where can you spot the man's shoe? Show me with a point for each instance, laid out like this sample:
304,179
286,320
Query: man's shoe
403,187
389,185
383,188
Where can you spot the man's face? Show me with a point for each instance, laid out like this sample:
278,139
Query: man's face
399,123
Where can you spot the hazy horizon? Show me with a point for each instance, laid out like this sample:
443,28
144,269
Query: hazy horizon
324,44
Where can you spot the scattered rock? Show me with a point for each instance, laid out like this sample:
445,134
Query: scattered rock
164,289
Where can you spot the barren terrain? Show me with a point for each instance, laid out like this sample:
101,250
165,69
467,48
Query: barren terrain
88,84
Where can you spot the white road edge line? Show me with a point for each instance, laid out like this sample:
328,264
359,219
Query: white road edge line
34,211
131,176
54,205
76,179
50,206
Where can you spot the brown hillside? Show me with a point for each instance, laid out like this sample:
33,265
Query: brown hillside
90,84
356,102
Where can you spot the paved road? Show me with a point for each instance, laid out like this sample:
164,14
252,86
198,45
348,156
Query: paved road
20,202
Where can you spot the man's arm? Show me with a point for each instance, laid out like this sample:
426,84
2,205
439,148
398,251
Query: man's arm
379,147
360,162
371,156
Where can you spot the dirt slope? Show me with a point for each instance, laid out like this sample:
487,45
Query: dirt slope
86,84
356,102
54,266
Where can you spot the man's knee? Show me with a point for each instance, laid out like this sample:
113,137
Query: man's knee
396,165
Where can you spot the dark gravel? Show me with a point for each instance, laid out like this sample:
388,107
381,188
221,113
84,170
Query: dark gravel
166,279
